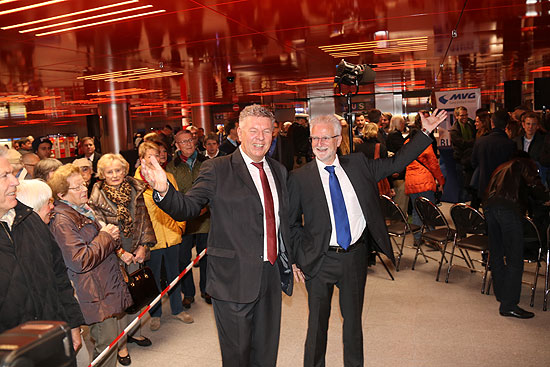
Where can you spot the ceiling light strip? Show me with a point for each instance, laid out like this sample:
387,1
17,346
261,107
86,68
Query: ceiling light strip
7,1
68,15
84,19
372,43
23,8
99,23
114,73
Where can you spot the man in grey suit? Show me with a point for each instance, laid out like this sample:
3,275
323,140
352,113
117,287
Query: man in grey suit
334,217
248,261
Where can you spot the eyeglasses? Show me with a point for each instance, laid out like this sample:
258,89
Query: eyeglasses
324,139
80,187
188,141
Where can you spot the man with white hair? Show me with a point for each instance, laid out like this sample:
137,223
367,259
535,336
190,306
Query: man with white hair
335,217
33,277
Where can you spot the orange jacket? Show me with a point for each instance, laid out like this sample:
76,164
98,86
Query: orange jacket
418,178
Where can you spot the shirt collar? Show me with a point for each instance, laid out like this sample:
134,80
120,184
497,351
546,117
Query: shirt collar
8,218
322,165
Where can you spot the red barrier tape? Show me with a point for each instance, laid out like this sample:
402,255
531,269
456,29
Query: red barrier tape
146,309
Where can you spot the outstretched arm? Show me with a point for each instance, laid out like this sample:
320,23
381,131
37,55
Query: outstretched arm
155,175
433,121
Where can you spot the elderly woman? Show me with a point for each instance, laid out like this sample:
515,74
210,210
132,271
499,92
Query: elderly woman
37,195
86,170
45,168
89,254
168,233
118,199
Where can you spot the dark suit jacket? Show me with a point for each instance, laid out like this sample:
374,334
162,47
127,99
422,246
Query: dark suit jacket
310,240
283,152
227,147
235,242
490,151
536,146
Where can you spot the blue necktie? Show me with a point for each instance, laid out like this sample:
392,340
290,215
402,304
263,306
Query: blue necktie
341,221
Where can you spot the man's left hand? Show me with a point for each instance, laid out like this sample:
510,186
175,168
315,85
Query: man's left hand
433,121
298,275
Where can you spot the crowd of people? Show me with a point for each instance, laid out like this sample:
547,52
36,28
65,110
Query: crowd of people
273,202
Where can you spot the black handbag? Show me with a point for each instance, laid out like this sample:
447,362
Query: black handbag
142,287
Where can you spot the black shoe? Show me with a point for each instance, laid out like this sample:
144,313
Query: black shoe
125,361
145,342
520,313
207,298
187,302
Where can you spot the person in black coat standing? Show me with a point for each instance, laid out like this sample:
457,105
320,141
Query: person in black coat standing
491,150
335,216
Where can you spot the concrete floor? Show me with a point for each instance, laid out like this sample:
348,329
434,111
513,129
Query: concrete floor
412,321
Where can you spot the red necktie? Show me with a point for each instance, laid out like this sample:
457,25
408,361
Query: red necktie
269,215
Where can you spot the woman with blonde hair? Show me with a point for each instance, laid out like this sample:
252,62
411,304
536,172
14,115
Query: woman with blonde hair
168,233
118,199
394,142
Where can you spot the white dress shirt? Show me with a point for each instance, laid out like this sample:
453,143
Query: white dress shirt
357,221
255,173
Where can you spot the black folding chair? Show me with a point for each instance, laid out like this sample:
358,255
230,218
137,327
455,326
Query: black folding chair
435,229
546,279
532,251
397,224
471,235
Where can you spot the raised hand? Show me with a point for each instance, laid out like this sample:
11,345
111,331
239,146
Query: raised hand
154,175
433,121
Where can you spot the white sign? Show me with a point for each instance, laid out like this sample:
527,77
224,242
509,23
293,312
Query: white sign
469,98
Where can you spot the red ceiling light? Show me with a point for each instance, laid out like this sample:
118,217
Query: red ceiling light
401,84
308,81
45,112
125,92
378,47
68,15
400,65
33,6
541,69
84,19
130,75
275,93
100,23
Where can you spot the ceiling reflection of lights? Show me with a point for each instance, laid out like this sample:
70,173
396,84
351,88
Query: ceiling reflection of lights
275,93
541,69
130,75
308,81
378,47
68,15
45,112
84,19
400,65
33,6
99,23
125,92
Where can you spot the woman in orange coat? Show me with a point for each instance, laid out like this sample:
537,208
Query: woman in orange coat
421,179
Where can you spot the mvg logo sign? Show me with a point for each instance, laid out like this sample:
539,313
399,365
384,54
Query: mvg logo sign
457,97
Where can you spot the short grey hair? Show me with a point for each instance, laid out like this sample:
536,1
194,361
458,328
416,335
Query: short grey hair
256,110
34,193
326,119
43,168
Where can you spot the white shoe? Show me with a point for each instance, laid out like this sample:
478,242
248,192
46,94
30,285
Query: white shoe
184,317
155,323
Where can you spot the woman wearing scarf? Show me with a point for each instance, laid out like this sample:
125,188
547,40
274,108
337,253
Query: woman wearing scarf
89,252
118,199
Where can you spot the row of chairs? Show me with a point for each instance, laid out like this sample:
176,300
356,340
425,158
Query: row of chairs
469,234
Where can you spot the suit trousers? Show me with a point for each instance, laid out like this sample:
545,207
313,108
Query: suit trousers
505,241
187,242
348,271
249,332
104,333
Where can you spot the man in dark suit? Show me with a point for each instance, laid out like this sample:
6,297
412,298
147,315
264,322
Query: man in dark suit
281,149
231,142
532,141
338,199
248,260
88,151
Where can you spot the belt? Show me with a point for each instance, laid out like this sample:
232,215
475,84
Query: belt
340,249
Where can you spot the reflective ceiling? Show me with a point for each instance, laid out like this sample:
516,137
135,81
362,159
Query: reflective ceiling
162,56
